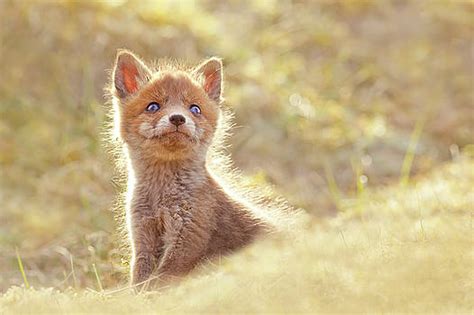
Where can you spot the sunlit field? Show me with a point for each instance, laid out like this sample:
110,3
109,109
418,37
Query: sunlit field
359,113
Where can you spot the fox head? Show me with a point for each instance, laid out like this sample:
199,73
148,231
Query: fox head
168,113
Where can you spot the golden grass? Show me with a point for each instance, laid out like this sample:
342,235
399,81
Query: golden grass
407,249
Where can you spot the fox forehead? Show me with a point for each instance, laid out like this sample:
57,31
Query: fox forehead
175,85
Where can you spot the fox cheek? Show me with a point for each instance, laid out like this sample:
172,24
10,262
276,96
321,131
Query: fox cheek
130,74
146,129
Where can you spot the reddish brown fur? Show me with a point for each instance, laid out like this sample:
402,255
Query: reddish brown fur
178,215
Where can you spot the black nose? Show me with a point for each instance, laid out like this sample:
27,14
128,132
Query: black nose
177,119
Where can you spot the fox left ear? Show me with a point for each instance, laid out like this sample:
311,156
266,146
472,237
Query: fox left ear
130,74
211,72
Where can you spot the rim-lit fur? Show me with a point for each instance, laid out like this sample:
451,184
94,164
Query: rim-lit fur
179,210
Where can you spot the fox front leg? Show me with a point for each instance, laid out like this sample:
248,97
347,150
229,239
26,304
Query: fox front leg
185,246
147,249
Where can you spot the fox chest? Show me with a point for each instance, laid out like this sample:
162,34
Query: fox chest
168,209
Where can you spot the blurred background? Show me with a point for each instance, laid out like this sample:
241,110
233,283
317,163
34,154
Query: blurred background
331,98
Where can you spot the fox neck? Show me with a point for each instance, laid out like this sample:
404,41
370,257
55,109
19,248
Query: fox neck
160,174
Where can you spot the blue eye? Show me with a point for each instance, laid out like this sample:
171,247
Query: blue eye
153,107
195,109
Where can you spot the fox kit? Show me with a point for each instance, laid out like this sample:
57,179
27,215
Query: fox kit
177,212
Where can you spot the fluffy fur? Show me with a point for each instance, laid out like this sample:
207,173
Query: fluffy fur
178,212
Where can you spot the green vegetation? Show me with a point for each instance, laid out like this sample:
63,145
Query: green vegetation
358,112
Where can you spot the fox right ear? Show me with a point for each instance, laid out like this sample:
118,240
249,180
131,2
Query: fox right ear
211,72
130,74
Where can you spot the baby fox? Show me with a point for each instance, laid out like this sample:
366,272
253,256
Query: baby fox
177,213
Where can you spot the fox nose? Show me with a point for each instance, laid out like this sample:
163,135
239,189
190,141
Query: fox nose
177,119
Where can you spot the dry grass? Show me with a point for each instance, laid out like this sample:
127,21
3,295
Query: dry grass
399,250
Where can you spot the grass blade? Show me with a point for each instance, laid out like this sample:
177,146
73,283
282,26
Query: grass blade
73,272
97,278
22,270
333,188
410,154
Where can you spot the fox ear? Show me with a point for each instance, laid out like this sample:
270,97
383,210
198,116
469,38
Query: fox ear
130,74
211,72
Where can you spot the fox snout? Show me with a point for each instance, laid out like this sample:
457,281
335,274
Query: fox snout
177,119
